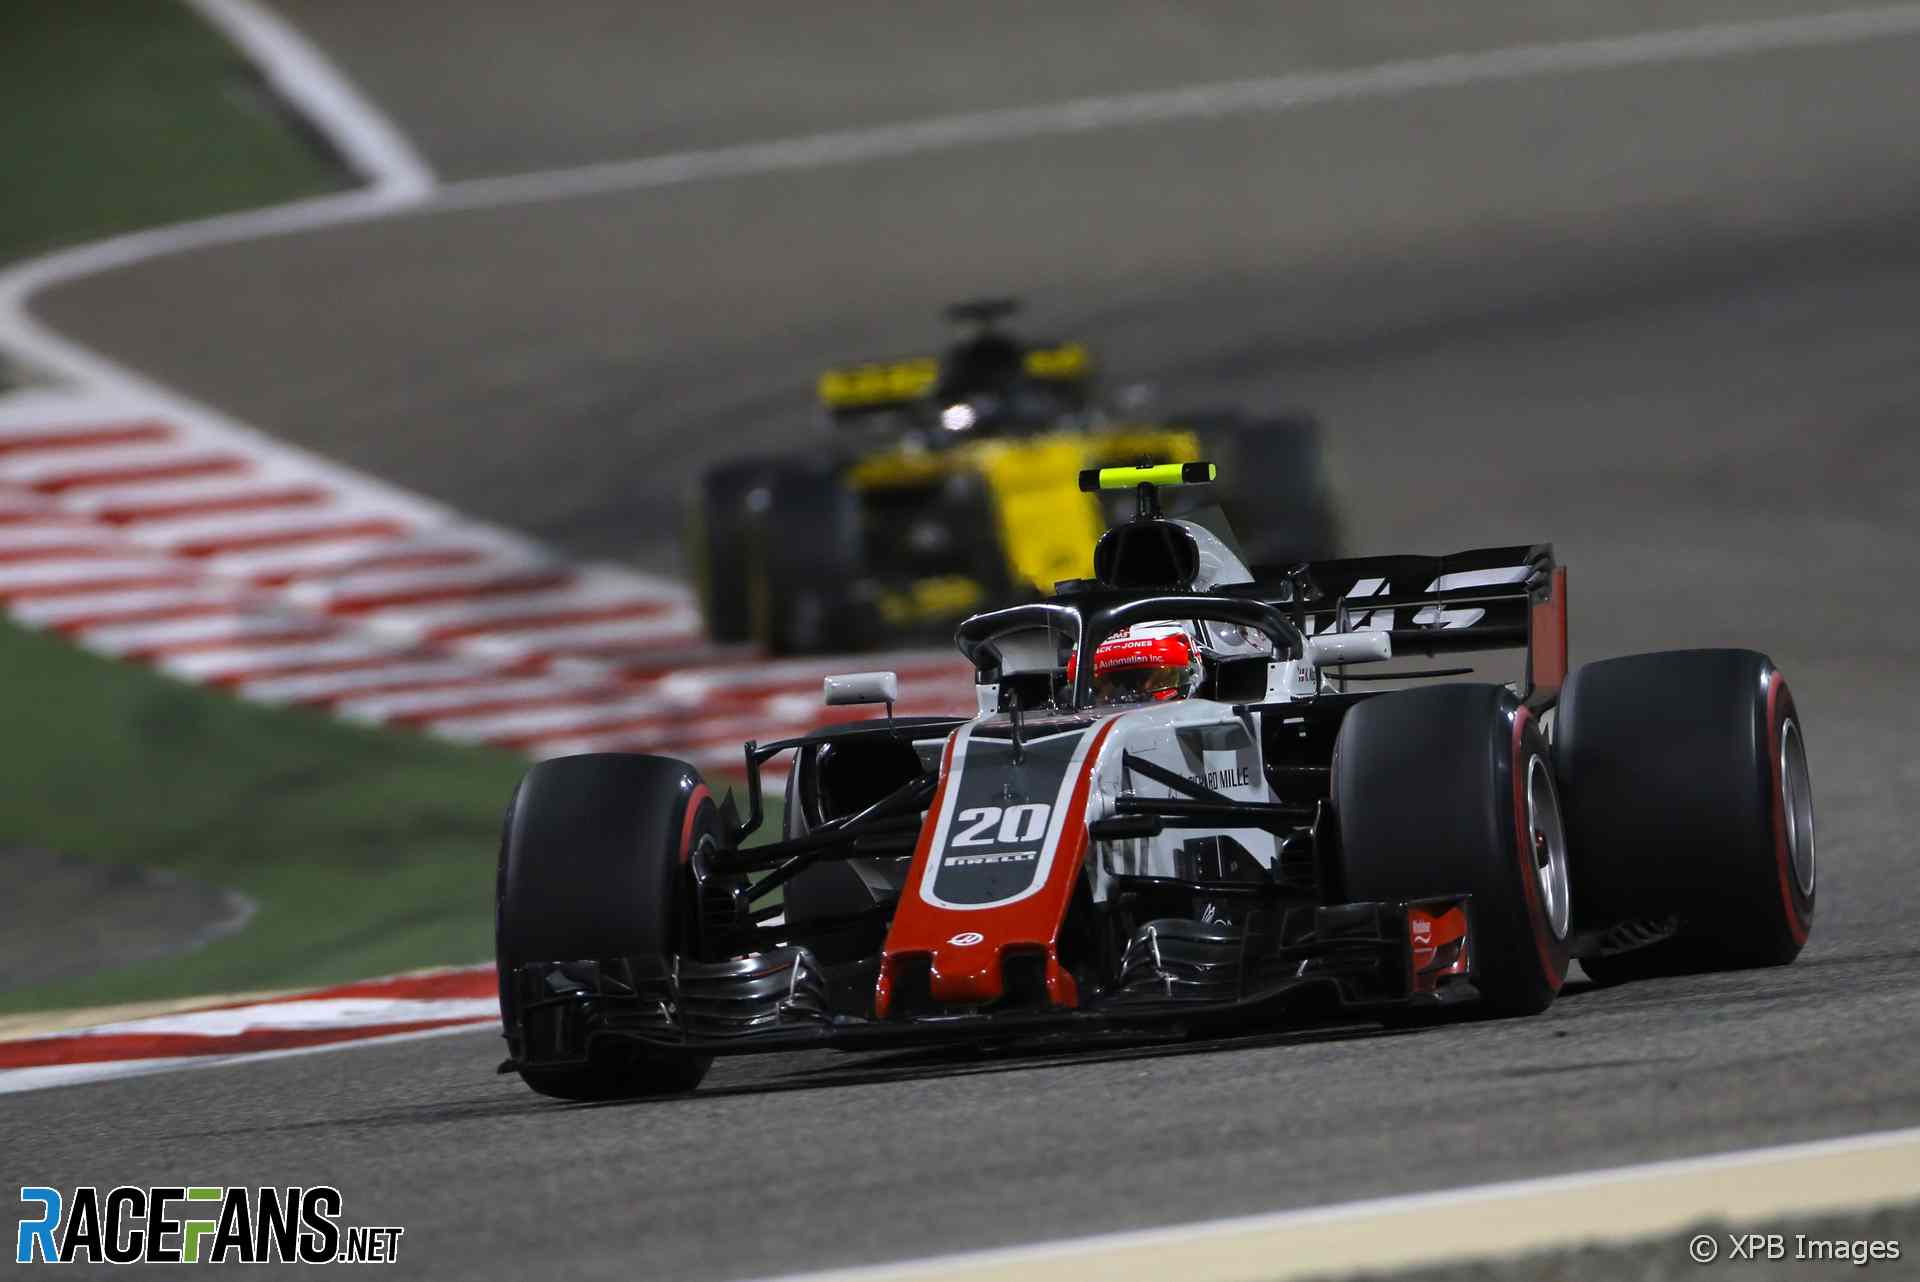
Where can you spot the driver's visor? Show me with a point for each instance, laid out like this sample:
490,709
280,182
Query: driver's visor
1136,669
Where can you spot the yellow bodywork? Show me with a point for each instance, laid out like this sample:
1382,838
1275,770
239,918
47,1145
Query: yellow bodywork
1047,526
945,596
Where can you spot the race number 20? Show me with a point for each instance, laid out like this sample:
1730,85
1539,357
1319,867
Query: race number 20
994,826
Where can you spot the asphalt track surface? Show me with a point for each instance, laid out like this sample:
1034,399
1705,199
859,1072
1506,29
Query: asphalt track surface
1662,316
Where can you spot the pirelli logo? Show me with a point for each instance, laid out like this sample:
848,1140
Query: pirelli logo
998,857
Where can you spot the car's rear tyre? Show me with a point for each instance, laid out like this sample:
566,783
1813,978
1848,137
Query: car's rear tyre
593,866
1449,790
1688,796
804,557
719,546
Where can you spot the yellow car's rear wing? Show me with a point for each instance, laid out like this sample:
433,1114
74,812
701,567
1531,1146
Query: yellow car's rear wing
878,385
872,386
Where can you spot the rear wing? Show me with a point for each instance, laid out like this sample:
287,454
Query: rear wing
871,387
1480,599
853,390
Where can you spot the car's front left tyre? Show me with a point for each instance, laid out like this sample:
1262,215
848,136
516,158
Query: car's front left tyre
1449,790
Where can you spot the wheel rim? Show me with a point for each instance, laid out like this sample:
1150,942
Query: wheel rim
1549,841
1796,804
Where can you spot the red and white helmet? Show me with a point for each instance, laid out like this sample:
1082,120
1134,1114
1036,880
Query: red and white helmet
1147,663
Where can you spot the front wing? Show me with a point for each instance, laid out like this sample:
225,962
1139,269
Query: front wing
1313,962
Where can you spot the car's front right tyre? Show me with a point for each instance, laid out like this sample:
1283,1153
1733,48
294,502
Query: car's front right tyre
594,867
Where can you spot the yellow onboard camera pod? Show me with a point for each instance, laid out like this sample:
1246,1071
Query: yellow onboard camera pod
1126,478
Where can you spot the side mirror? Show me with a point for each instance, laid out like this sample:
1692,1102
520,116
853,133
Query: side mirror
1349,647
862,687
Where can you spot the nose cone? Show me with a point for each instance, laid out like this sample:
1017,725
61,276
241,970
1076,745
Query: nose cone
993,875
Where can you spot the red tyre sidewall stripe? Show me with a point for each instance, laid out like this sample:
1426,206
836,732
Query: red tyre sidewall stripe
1796,922
699,794
1523,841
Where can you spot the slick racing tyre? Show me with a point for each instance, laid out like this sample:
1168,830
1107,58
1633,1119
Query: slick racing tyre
592,867
1449,790
1687,795
719,547
805,554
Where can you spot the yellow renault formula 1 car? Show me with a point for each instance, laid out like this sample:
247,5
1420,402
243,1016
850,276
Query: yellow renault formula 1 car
950,485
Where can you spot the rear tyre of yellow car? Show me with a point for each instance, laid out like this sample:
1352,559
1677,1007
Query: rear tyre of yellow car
802,562
719,547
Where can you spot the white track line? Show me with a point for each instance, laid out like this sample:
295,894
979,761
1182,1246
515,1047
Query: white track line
123,638
27,575
501,609
400,182
235,663
326,558
672,624
1620,1204
318,686
301,74
190,527
19,539
159,496
585,712
361,585
55,612
74,473
33,1079
1197,102
299,1013
449,701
